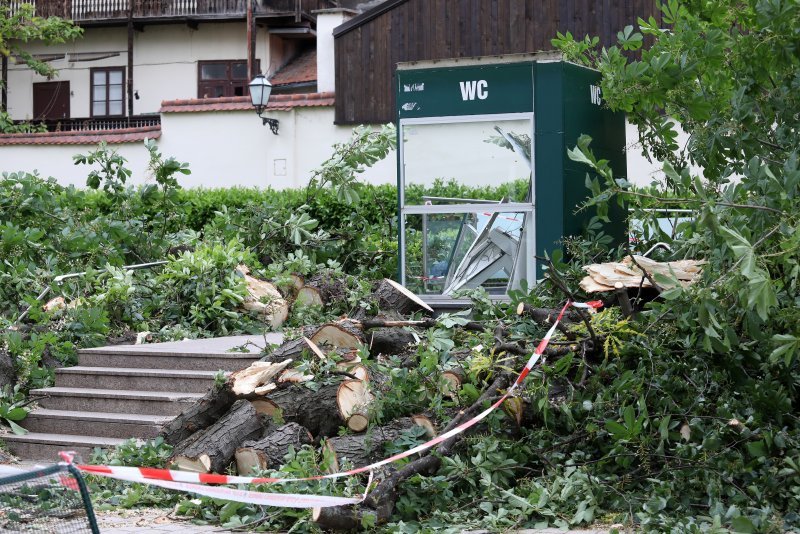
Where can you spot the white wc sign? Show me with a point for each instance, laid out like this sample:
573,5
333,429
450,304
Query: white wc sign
595,95
474,88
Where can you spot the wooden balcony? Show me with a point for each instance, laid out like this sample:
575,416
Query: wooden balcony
110,11
98,124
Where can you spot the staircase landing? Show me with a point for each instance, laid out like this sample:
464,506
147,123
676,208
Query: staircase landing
126,391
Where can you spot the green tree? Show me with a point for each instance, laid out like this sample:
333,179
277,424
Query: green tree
20,25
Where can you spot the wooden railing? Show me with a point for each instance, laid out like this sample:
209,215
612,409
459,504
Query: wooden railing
97,124
93,10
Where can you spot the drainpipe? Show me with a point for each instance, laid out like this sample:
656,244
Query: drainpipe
4,87
129,85
251,41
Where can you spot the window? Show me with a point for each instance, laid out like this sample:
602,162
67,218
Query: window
108,93
222,78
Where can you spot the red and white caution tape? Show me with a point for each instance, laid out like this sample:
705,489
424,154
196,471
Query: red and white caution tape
193,482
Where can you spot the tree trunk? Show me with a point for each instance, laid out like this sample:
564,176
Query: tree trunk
212,449
325,287
389,341
364,449
339,335
353,398
391,296
200,415
315,410
269,451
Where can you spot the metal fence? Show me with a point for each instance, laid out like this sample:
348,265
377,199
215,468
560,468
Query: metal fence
53,500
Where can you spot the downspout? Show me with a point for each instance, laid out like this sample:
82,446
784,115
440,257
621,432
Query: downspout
129,85
251,40
4,86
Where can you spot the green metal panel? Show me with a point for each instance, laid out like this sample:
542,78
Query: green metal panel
585,114
472,90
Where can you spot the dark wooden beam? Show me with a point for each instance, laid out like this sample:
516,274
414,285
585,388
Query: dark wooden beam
4,87
130,59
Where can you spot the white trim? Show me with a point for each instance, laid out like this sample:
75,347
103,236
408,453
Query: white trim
508,207
449,119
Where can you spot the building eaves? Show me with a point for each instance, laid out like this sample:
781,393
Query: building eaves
366,16
243,103
124,135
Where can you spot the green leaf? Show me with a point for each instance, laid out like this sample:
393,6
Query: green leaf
16,429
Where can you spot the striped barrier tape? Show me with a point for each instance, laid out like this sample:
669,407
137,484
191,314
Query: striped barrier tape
193,482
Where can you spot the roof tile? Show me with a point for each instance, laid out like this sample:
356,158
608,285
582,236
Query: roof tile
122,135
301,69
243,103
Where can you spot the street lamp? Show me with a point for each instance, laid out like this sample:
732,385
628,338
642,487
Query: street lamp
260,90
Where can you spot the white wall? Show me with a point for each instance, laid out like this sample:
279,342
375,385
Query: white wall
326,66
165,63
223,148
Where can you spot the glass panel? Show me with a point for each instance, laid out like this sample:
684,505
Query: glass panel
115,77
214,71
239,71
99,92
99,77
115,92
449,252
99,108
115,108
217,91
440,160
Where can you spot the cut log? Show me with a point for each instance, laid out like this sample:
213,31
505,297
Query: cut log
290,349
425,422
341,517
339,335
308,296
200,415
390,341
259,374
354,398
453,379
264,299
391,296
317,410
323,288
269,451
364,449
212,449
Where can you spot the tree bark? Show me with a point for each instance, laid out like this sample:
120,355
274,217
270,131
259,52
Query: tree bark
315,410
364,449
269,451
212,449
389,341
391,296
325,287
200,415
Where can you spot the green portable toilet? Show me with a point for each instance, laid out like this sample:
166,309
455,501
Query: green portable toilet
503,124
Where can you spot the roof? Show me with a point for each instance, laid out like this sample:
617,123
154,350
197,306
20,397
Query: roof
243,103
123,135
301,69
366,16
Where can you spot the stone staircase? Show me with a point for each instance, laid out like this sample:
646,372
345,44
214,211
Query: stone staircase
126,391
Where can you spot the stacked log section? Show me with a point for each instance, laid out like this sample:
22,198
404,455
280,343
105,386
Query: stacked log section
212,449
200,415
325,287
391,296
269,451
364,449
318,411
353,398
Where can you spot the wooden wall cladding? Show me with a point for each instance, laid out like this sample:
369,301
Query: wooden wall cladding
369,47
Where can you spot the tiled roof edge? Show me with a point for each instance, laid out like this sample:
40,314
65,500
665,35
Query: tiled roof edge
122,135
242,103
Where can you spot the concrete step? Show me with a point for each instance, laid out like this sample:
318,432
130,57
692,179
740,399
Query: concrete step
42,446
227,353
109,425
154,360
114,401
132,378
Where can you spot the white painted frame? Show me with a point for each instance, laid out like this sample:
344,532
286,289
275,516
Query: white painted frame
528,208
